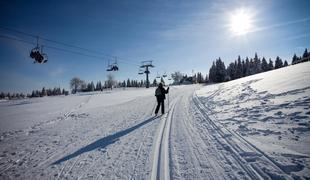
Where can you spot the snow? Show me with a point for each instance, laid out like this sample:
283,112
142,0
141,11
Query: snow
269,110
251,128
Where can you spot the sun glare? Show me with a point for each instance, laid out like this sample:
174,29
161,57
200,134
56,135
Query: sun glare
240,22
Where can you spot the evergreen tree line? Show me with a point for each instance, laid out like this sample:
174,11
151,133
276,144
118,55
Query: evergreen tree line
56,91
242,68
12,95
35,93
132,83
305,57
78,85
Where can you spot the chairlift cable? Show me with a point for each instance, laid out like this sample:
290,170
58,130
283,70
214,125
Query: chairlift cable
68,45
59,49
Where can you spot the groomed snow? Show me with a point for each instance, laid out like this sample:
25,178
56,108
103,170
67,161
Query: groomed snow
251,128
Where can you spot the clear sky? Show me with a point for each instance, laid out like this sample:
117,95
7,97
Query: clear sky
177,35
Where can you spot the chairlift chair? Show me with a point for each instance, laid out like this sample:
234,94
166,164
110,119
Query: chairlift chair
165,74
38,55
158,76
113,66
140,71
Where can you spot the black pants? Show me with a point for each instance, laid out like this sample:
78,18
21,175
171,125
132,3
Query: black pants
162,103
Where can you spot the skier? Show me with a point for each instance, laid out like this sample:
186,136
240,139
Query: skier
160,96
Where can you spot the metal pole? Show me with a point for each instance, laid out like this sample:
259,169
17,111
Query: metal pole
147,77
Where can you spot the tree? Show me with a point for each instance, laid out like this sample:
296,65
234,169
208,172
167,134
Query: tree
270,65
220,73
294,59
154,83
110,80
162,80
278,63
199,78
257,64
231,71
124,84
305,54
76,84
212,73
43,92
264,65
239,70
177,77
247,67
128,83
92,86
2,95
285,63
207,78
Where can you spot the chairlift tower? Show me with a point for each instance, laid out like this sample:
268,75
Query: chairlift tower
146,65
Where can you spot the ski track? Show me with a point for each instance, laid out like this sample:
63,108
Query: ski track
187,142
160,166
244,152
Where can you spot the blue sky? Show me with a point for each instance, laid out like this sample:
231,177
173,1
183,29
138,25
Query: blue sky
177,35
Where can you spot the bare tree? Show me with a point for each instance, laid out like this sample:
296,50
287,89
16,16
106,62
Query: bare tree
110,80
75,84
177,76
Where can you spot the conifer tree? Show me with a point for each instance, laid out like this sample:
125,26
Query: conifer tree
264,65
239,70
294,59
220,74
285,63
212,72
305,54
270,64
278,63
128,83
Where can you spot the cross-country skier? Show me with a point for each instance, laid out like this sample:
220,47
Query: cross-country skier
160,96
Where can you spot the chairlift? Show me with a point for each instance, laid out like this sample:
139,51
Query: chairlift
158,76
140,71
165,75
112,66
37,54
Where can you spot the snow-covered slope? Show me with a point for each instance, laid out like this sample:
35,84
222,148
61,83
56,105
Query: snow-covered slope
269,110
251,128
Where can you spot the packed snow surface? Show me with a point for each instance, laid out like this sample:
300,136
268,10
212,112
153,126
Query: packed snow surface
251,128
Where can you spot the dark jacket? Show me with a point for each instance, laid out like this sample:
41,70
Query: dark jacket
163,93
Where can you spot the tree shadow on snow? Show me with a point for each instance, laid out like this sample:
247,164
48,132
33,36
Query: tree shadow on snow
103,142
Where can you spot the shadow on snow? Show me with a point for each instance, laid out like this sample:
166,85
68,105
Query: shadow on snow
103,142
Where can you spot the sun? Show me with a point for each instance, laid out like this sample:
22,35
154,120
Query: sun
241,22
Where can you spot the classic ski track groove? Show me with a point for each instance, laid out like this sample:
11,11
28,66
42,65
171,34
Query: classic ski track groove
250,169
161,147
